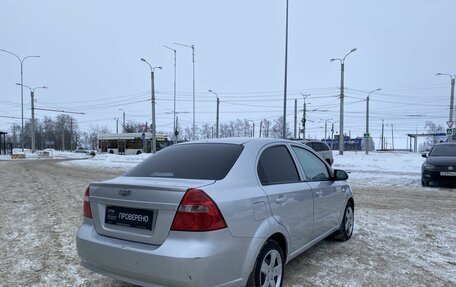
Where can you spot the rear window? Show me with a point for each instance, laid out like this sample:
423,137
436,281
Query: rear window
317,146
276,166
190,161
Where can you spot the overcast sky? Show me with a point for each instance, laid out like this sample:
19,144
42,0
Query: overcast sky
90,53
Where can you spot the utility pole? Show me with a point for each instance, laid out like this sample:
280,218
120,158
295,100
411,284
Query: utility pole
332,136
154,124
368,139
304,115
295,117
383,135
261,127
117,125
71,134
392,136
217,115
341,120
326,127
123,122
450,118
32,97
174,111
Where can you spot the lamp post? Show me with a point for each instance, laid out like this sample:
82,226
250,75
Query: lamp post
123,119
341,126
32,96
450,118
193,61
21,60
367,143
174,111
217,117
154,124
284,127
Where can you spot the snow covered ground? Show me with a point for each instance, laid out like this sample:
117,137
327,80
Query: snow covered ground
404,233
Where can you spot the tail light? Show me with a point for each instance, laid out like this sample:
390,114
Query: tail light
197,212
87,212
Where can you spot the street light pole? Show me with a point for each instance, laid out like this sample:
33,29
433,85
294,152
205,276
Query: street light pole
32,97
450,118
193,61
174,111
22,90
367,140
217,117
341,120
154,124
284,128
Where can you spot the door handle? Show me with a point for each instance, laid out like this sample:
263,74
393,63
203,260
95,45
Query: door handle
281,198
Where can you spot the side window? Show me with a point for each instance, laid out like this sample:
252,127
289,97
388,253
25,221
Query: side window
276,166
313,167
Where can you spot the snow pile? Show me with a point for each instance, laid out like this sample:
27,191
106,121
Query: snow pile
124,162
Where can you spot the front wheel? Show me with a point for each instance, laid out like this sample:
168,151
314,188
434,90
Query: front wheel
268,270
424,182
346,227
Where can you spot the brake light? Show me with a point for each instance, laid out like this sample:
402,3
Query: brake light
197,212
86,208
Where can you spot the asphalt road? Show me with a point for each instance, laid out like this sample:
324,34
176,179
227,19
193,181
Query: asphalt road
403,236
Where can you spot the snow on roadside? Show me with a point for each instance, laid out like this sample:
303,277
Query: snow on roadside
109,161
381,168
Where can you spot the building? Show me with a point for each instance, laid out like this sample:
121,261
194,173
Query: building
3,142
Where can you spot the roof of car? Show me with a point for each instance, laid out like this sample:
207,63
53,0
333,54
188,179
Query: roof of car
239,140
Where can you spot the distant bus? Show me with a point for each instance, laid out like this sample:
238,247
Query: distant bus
130,143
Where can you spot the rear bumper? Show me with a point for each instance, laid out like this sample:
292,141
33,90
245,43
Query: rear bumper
185,259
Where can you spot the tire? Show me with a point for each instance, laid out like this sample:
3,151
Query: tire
424,182
345,231
138,152
269,266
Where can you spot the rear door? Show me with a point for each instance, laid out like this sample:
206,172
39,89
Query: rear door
291,199
328,194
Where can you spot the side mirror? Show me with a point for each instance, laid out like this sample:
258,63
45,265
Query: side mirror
424,155
340,174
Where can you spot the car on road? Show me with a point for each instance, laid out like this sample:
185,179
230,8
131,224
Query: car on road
440,164
322,149
221,212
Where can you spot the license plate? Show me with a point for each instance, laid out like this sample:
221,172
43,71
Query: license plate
130,217
448,173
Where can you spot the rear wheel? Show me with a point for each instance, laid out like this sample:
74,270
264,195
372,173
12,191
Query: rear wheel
268,270
348,222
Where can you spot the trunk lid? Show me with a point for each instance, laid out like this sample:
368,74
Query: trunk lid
157,197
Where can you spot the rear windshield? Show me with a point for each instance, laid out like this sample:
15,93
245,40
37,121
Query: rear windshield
317,146
190,161
444,150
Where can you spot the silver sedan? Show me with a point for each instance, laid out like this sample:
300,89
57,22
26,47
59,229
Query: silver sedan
226,212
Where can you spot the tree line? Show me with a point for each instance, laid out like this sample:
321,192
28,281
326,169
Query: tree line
63,133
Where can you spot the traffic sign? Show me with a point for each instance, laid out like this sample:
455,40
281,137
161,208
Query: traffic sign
143,136
449,132
366,135
450,124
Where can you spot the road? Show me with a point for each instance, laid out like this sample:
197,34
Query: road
403,236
